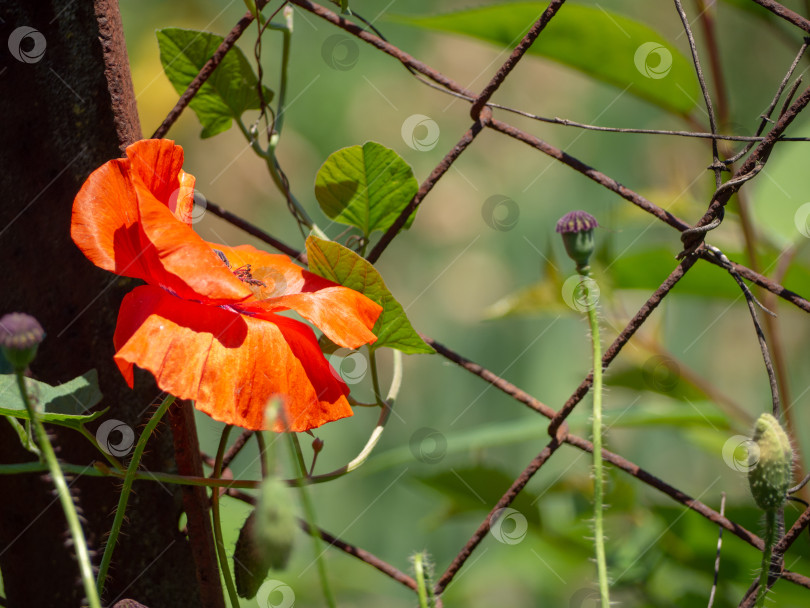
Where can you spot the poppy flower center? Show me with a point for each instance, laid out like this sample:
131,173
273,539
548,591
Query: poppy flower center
264,282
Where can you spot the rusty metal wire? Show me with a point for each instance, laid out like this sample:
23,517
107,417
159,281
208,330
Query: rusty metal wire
482,117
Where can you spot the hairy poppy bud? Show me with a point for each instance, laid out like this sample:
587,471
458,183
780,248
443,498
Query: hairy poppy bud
576,228
20,335
266,538
770,463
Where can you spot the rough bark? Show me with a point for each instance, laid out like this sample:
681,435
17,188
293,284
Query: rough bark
61,116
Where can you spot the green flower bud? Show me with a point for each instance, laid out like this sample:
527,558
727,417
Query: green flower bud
770,462
20,335
576,228
266,538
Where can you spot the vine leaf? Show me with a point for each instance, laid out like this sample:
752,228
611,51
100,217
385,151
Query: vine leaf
604,45
66,404
365,186
337,263
227,94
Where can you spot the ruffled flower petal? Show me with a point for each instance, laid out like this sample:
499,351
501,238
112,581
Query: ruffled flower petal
230,364
123,221
105,219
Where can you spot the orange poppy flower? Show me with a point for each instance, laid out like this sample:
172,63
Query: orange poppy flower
206,323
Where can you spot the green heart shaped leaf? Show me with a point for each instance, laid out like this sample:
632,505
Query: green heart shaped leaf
365,186
337,263
230,90
604,45
66,404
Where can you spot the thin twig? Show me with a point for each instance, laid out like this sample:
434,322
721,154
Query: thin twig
505,500
427,185
516,55
641,316
716,166
786,14
766,115
235,448
206,71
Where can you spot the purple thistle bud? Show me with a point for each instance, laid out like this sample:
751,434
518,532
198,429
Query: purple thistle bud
20,335
576,228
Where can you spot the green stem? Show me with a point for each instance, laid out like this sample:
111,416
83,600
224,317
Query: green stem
421,585
286,33
387,406
309,515
129,478
222,555
63,491
769,539
598,480
92,439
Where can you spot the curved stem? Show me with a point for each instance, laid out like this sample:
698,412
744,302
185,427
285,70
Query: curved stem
598,480
92,439
129,478
63,491
768,539
215,514
309,515
387,406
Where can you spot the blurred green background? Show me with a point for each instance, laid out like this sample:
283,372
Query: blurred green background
453,274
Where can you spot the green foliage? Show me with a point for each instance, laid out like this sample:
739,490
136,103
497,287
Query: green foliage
266,538
365,186
65,404
227,94
604,45
474,488
780,197
340,264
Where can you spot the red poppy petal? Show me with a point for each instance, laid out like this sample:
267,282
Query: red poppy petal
183,262
104,221
157,164
230,364
344,315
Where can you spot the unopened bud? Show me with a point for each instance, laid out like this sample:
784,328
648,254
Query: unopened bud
770,471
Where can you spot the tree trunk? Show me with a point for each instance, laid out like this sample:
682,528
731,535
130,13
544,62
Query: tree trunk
66,107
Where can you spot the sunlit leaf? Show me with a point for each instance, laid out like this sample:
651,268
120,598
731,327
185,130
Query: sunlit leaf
605,45
365,186
66,403
477,488
337,263
230,90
